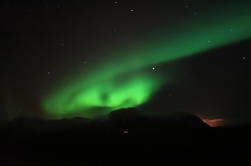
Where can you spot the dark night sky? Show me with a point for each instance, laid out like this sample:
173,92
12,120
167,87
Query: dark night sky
45,41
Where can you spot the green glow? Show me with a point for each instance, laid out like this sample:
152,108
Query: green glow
108,95
103,88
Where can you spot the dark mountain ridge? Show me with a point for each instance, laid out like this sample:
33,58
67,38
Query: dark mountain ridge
125,137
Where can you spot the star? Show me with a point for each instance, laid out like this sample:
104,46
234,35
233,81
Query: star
61,44
84,62
114,29
187,6
153,68
132,10
195,13
244,58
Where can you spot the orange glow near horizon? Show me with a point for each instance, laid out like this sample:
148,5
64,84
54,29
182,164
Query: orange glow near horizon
214,122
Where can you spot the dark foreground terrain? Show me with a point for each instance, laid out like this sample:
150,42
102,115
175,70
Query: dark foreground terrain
124,138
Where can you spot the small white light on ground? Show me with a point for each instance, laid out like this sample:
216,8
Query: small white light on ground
124,132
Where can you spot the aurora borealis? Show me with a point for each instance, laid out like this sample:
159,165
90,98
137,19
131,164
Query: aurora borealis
129,82
104,89
86,59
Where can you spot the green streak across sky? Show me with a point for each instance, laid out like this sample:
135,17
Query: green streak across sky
117,83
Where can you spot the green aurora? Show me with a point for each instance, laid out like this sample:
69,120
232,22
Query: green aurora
121,81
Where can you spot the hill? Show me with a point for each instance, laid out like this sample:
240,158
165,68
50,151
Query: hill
125,137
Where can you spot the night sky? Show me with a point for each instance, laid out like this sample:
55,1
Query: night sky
63,59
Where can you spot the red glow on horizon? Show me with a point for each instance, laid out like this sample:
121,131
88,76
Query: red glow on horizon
214,122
